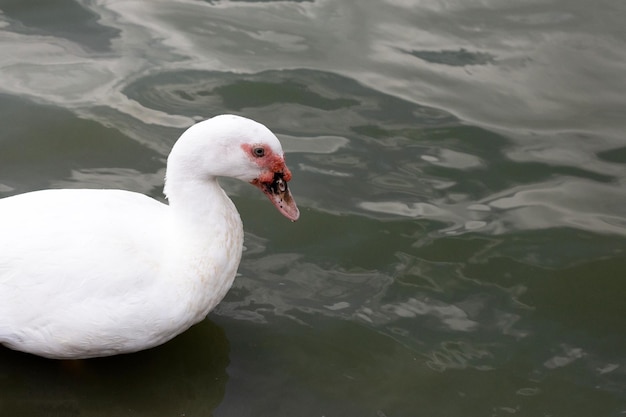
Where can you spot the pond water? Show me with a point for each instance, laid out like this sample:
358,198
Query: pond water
460,167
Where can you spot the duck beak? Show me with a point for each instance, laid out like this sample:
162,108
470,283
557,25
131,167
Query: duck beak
278,192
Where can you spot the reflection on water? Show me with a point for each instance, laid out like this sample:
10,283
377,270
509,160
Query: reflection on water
187,376
60,19
460,170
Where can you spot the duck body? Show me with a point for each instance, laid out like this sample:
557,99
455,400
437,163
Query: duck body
87,273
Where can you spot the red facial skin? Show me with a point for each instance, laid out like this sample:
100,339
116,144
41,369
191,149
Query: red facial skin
273,179
271,162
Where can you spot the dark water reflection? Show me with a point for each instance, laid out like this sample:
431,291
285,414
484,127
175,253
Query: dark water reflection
460,171
59,18
187,376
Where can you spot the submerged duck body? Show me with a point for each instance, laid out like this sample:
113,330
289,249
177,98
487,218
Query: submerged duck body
87,273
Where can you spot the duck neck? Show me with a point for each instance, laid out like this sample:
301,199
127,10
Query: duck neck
207,241
201,209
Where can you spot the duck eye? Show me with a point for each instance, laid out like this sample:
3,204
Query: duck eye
258,152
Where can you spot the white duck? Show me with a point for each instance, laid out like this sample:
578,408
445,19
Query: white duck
87,273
